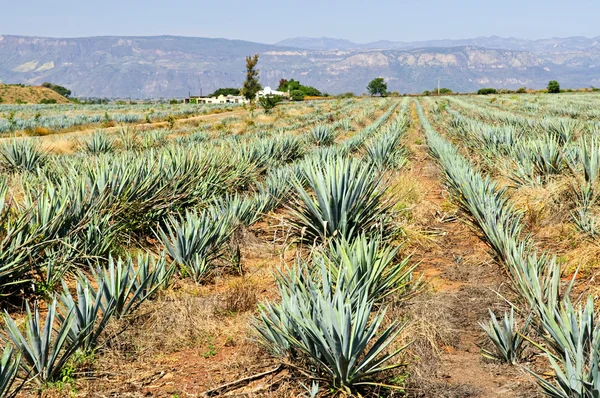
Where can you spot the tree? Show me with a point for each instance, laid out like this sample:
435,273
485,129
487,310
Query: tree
377,86
297,95
268,102
553,87
251,85
226,91
59,89
294,85
486,91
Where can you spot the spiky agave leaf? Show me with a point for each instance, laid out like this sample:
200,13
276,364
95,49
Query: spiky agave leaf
197,236
348,201
573,343
91,315
22,155
371,265
43,352
98,143
9,366
322,135
507,338
336,330
124,286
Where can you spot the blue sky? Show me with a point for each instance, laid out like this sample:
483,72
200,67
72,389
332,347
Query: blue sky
270,21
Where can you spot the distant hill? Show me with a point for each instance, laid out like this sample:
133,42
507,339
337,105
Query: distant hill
168,66
12,94
568,44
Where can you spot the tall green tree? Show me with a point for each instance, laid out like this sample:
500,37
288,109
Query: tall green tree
251,85
553,87
225,91
377,86
65,92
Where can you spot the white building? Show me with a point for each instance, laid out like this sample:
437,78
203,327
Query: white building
221,99
268,91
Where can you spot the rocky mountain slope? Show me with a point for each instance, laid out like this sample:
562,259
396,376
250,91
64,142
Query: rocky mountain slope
166,66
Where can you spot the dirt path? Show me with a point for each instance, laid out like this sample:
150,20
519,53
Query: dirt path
462,279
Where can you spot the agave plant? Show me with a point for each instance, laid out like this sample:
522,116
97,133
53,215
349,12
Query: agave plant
22,155
573,343
367,264
386,152
9,366
336,330
506,337
124,287
91,315
196,237
98,143
43,351
322,135
348,201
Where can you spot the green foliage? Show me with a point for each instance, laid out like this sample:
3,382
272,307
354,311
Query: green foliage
297,95
59,89
91,315
522,90
268,102
47,101
486,91
251,84
377,86
226,91
174,102
294,85
553,87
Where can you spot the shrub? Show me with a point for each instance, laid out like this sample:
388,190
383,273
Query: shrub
269,102
486,91
59,89
297,95
553,87
522,90
46,101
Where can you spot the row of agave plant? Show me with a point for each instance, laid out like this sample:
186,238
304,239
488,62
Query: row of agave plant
58,118
568,335
71,226
576,106
329,324
538,159
75,209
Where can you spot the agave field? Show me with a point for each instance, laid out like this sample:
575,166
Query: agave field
45,119
298,252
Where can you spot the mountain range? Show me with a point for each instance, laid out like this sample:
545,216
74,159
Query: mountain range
170,66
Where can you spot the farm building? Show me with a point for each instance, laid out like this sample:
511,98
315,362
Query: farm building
221,99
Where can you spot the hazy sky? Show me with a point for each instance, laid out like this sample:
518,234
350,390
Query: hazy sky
273,20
